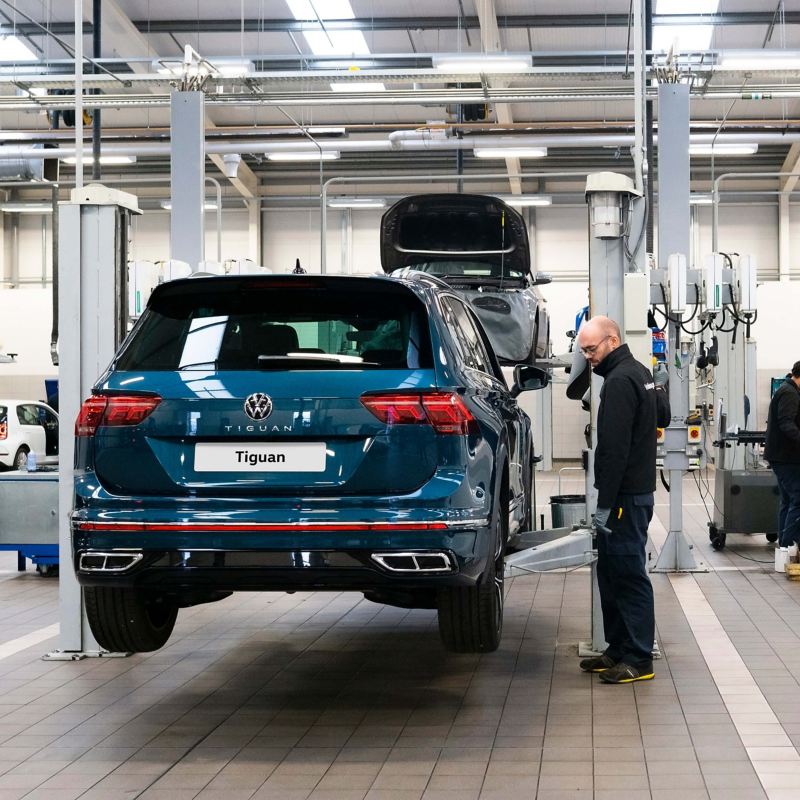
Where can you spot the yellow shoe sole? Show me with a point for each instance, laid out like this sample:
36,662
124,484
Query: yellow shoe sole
647,677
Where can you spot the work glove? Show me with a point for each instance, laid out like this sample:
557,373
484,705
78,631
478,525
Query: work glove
600,520
660,375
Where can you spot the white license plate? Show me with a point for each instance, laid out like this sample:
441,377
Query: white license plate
260,457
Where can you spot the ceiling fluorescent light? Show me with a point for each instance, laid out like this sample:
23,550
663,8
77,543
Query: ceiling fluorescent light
234,69
687,38
12,49
700,200
526,200
509,152
109,160
687,6
357,86
329,42
493,62
337,43
724,149
27,208
305,155
357,202
754,60
324,9
208,205
316,129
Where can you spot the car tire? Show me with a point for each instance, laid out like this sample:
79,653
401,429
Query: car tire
126,621
471,617
21,458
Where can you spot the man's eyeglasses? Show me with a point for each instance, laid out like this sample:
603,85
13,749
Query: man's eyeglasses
592,348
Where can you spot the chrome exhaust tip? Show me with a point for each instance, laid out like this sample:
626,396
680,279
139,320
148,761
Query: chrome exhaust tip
418,562
108,562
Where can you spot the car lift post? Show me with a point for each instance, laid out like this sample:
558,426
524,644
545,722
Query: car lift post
92,255
673,225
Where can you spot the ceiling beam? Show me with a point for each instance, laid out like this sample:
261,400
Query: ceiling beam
791,164
254,25
490,43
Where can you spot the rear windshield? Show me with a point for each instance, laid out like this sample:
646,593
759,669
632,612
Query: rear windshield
261,326
470,270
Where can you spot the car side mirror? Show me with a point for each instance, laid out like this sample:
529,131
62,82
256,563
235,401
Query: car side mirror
528,378
541,278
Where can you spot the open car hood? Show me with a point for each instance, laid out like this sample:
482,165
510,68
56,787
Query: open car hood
428,228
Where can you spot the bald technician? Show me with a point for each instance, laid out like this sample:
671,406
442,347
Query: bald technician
625,479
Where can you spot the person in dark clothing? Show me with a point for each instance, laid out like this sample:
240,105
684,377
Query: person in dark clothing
782,451
625,479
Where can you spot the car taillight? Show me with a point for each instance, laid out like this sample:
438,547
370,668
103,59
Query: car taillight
3,430
444,411
113,411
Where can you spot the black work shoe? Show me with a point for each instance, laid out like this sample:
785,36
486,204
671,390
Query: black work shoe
597,663
625,673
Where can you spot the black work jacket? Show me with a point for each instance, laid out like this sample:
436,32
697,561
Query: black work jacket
783,425
625,458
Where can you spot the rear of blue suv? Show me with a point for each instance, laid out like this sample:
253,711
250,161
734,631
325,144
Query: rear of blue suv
291,433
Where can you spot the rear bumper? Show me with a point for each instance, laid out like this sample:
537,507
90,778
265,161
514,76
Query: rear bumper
179,573
177,558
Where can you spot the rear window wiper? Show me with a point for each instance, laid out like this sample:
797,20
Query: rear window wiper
212,364
309,361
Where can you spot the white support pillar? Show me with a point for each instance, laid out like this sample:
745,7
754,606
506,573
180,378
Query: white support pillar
784,241
187,176
254,223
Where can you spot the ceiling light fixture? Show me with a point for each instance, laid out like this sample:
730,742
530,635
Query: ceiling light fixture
525,200
357,202
509,152
208,205
486,62
686,6
12,49
759,60
305,155
329,42
357,86
108,160
723,149
27,208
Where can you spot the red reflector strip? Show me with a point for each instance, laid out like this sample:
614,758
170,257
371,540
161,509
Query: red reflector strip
316,527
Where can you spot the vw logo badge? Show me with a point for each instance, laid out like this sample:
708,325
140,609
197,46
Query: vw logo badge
258,406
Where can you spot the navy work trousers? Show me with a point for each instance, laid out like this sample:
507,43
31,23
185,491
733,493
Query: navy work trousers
626,594
788,476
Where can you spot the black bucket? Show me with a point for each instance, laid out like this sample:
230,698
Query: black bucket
567,510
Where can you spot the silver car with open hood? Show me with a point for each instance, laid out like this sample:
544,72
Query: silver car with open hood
479,246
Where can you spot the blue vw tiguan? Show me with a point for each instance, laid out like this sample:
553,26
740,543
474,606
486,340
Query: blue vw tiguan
299,432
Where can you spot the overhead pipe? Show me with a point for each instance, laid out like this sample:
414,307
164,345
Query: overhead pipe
78,94
239,146
96,128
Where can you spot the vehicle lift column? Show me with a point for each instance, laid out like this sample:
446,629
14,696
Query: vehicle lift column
92,268
615,207
673,247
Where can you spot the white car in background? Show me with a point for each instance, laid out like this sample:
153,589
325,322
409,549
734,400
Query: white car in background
27,426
